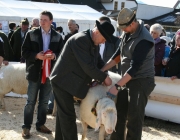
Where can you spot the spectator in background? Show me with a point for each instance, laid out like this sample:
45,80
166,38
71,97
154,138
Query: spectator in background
35,22
167,50
37,44
1,51
8,52
163,32
147,26
108,48
155,31
72,28
18,38
0,26
172,43
77,27
172,65
60,30
12,27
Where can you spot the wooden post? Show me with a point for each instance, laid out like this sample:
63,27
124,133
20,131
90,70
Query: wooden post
164,98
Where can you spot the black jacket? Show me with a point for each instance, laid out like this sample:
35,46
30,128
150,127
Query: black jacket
109,50
173,65
33,44
69,35
77,65
1,49
10,34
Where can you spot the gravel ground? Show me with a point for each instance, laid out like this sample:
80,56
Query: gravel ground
11,121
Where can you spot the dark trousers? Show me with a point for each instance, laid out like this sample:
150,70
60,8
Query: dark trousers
66,128
51,101
131,103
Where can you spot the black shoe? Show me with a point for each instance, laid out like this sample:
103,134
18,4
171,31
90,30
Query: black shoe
49,111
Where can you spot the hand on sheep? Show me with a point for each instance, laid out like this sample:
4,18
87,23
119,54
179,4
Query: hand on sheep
108,81
113,90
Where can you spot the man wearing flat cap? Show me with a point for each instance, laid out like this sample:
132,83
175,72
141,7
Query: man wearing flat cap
76,66
17,39
136,53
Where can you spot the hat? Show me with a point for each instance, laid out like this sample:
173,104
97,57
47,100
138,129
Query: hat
25,21
125,17
106,29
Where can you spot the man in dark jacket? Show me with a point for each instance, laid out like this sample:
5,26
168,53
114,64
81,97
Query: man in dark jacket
1,51
12,27
40,49
72,28
107,49
9,55
136,53
17,39
78,63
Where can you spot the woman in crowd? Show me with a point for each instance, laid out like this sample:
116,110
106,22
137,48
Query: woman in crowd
155,31
173,64
167,51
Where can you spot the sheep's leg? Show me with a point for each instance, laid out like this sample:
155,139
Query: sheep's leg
84,127
102,133
54,109
2,103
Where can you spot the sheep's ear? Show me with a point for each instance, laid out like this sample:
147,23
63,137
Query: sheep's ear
98,120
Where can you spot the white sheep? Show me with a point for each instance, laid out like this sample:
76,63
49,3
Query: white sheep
106,110
12,79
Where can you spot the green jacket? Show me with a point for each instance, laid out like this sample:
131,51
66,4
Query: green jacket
7,48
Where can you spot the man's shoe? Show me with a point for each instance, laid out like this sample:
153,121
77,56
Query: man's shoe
43,129
26,133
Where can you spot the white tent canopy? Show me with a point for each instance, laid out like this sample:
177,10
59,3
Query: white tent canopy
15,11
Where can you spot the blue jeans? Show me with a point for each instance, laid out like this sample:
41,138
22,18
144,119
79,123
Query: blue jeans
51,101
44,91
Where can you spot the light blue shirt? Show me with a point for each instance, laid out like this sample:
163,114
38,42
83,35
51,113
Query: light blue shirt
46,39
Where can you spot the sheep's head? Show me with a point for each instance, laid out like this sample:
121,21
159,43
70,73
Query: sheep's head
109,119
106,115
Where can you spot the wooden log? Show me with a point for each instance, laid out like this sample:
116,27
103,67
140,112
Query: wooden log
164,98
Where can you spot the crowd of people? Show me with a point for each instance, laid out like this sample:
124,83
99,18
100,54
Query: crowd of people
60,66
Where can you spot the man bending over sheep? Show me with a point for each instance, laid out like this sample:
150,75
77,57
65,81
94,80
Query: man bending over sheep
73,72
136,52
40,49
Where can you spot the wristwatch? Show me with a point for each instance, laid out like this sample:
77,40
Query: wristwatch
118,87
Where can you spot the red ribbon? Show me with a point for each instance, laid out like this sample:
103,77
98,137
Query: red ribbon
46,67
